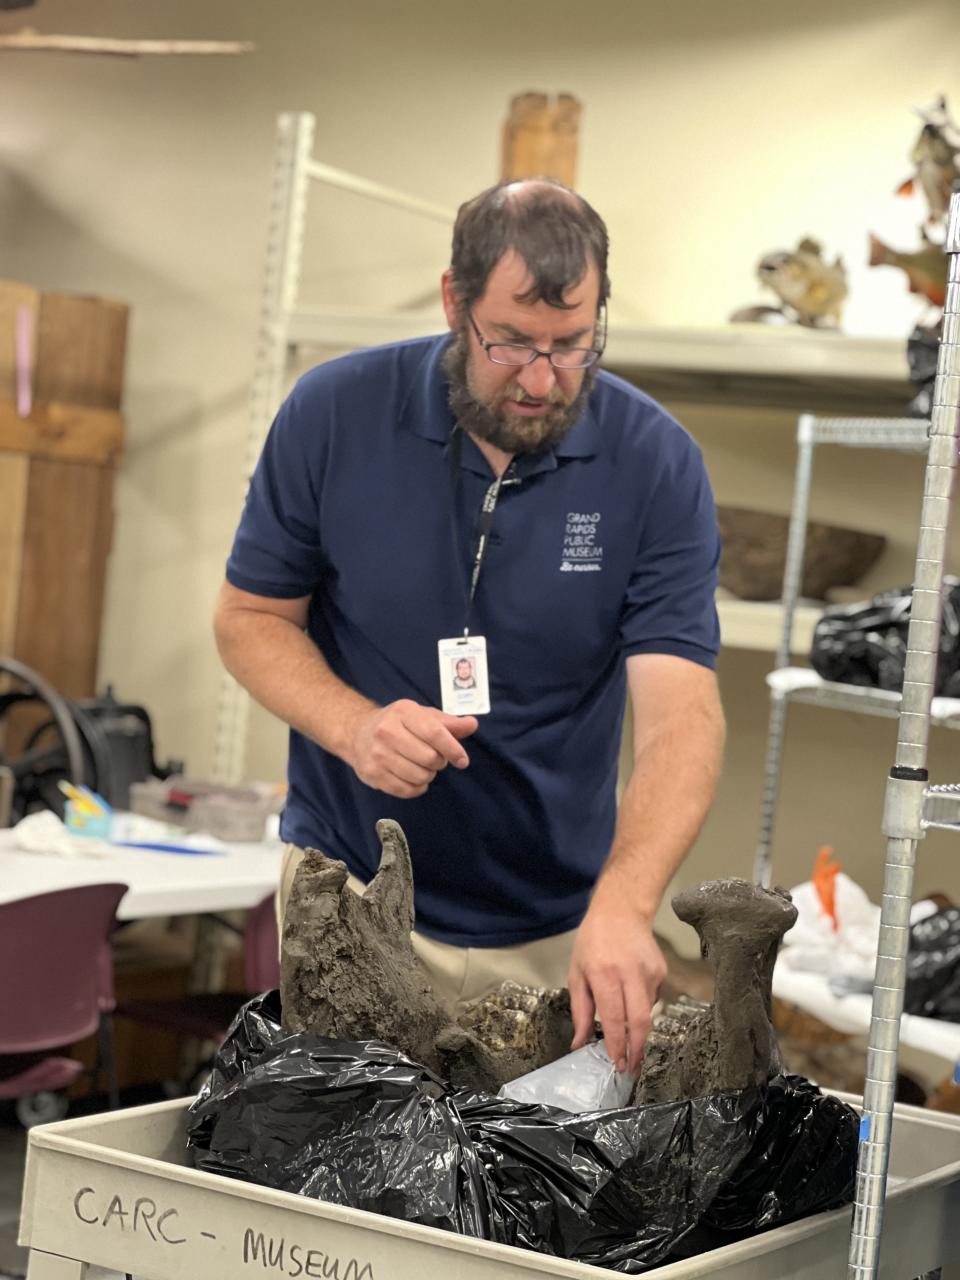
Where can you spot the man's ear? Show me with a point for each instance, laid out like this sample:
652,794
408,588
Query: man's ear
452,305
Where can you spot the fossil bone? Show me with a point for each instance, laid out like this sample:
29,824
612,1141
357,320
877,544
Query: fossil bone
697,1049
349,971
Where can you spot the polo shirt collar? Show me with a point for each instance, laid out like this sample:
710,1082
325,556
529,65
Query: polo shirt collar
426,412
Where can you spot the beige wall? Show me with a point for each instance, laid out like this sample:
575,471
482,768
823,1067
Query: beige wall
712,132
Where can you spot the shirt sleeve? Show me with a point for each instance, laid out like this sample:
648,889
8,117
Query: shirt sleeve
276,550
670,602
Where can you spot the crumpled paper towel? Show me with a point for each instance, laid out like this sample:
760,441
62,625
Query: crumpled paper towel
43,832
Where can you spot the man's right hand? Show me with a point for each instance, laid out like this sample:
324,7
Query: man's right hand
399,749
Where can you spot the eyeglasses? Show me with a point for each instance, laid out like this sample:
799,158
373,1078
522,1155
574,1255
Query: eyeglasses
513,353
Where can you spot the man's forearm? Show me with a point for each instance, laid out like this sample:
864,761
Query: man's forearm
664,805
281,667
616,968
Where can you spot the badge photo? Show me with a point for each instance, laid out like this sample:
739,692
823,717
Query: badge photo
464,686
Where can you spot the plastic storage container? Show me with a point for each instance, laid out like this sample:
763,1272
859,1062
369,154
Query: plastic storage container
115,1190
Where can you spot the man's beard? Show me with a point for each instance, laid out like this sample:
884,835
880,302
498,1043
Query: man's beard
490,421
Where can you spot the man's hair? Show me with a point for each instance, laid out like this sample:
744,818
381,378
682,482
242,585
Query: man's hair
552,228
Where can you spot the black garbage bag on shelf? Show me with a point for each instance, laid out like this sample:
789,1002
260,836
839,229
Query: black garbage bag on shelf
359,1124
923,348
933,967
866,644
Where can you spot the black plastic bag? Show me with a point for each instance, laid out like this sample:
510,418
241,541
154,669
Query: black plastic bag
866,644
802,1161
616,1188
923,349
933,967
360,1124
349,1123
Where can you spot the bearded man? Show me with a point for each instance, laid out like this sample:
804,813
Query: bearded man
489,494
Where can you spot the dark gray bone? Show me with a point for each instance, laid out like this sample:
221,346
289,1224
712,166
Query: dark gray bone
696,1049
349,971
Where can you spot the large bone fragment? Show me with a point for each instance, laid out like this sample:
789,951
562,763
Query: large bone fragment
349,971
697,1049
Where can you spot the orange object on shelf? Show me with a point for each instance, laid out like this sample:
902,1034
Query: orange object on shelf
824,880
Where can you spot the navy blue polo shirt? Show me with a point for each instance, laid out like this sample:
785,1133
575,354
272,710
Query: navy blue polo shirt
606,546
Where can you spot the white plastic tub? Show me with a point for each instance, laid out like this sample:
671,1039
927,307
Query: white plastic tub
115,1190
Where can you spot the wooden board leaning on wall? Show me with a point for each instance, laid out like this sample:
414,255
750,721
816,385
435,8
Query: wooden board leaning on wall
56,478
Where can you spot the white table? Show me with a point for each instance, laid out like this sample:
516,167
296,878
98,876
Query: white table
161,884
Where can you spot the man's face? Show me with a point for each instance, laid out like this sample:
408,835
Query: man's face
527,408
464,669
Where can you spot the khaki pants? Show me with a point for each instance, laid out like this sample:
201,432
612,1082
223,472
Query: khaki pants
460,974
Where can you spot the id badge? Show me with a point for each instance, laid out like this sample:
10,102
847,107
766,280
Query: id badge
464,687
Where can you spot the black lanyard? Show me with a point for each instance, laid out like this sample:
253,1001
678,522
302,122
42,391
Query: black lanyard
487,509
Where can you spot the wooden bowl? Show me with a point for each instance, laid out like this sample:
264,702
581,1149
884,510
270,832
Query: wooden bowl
755,551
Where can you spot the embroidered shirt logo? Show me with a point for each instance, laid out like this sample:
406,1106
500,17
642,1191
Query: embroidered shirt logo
582,552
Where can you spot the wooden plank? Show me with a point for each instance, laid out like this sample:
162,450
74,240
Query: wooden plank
34,41
69,523
14,478
81,345
13,295
540,138
63,431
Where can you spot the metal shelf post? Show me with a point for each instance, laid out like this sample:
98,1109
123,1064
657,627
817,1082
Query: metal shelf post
908,435
280,331
903,822
288,211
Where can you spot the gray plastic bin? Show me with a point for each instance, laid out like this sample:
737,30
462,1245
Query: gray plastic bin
115,1190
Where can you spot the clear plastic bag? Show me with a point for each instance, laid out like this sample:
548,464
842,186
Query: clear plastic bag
584,1080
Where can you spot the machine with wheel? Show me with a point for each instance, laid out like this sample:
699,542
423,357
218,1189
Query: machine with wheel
46,737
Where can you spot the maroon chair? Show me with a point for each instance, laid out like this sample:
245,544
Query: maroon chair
206,1015
56,987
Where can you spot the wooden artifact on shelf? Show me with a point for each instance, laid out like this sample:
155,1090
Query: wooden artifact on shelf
540,138
755,550
56,477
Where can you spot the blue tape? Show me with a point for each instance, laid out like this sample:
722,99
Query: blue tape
956,1072
864,1128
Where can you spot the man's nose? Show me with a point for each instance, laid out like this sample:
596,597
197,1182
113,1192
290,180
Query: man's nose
538,379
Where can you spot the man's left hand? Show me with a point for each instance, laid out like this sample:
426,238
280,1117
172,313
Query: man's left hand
615,973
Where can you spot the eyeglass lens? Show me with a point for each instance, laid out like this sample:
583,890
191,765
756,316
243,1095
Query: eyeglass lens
573,358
